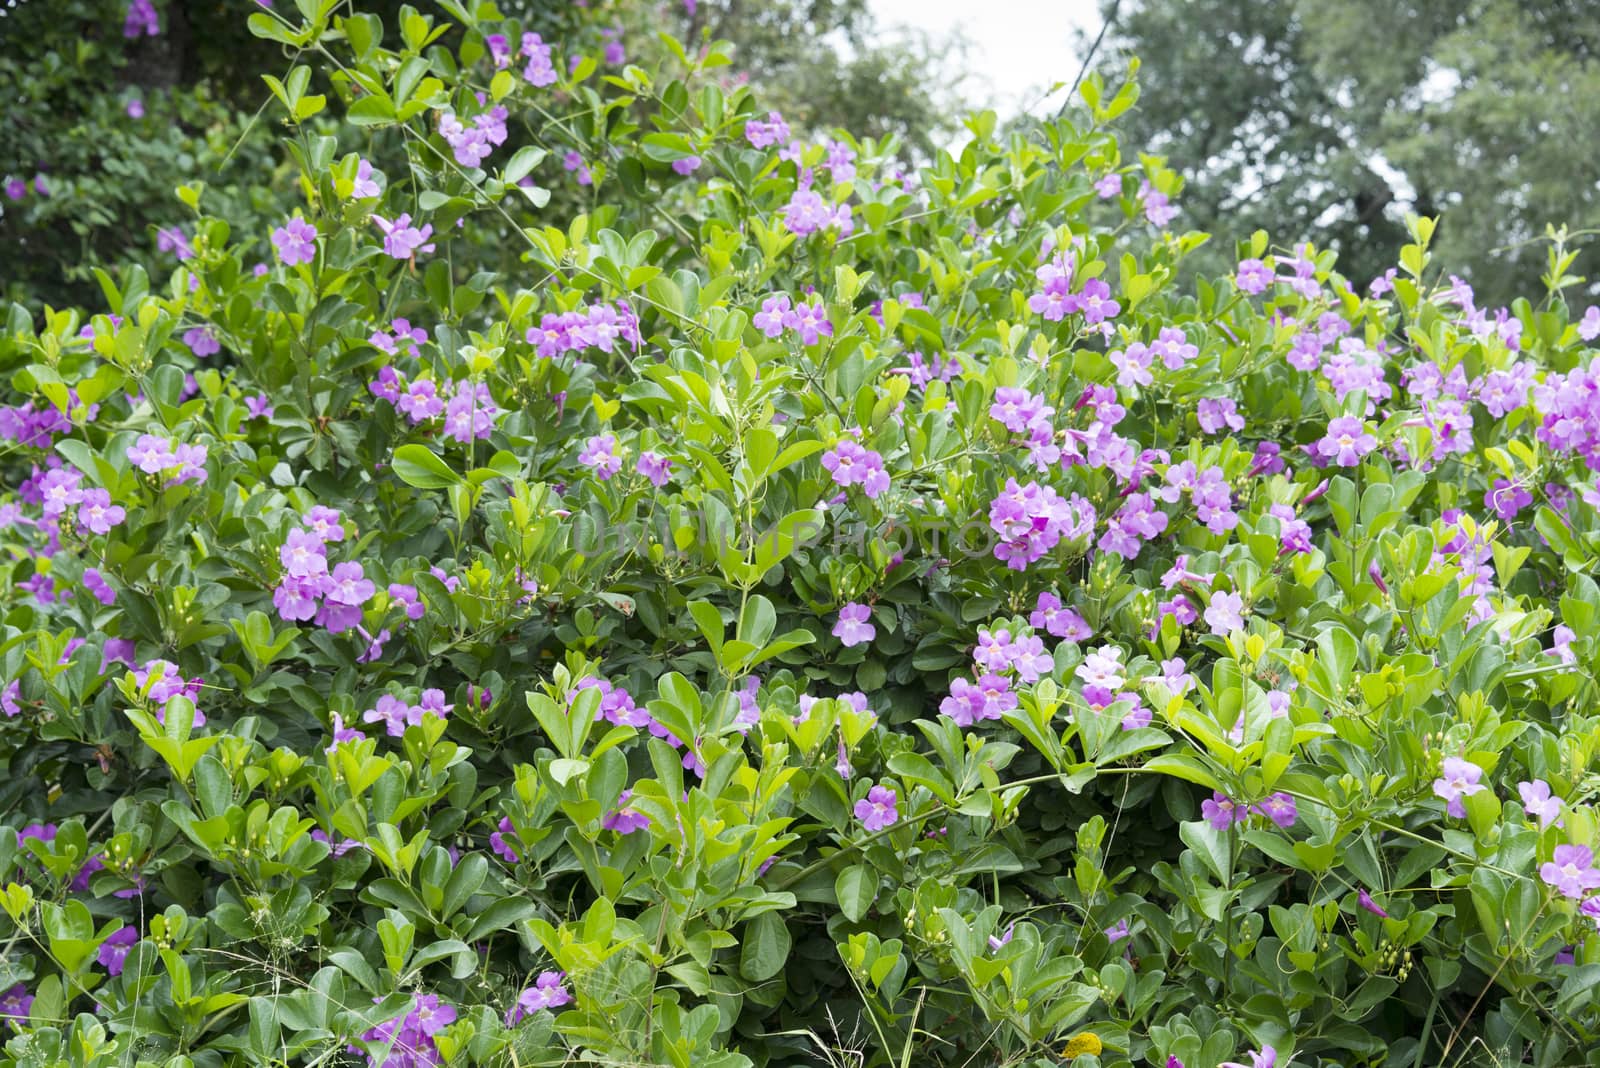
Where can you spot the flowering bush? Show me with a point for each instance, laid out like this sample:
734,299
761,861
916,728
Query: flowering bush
806,611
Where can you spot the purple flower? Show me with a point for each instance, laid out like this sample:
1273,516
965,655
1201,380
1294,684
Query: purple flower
623,819
430,1015
391,712
499,842
151,454
141,20
15,1005
1267,1058
774,313
852,465
202,342
16,188
1364,899
877,810
1109,186
546,993
97,514
1458,779
1224,614
1572,871
401,240
1280,809
540,71
114,950
1058,621
764,134
573,161
1221,811
687,165
655,467
1536,801
1505,499
1589,326
295,242
1118,931
348,585
600,453
855,625
171,239
810,321
1346,442
1157,210
1215,413
96,585
1253,276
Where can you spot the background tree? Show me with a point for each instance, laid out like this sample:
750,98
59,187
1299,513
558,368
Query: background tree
104,125
1333,120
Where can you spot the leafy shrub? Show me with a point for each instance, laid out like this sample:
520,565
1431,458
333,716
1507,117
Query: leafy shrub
799,612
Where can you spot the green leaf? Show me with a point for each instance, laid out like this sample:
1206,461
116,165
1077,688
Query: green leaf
855,889
418,466
766,947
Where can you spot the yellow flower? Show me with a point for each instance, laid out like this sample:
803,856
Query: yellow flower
1081,1043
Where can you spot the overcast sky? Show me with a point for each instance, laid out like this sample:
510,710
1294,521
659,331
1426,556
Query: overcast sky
1017,48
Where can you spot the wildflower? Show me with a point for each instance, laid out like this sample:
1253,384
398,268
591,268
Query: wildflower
1561,640
877,810
401,240
1346,442
295,242
114,950
1279,808
1505,499
1221,811
171,239
499,842
573,162
96,513
625,820
202,342
852,465
1253,276
1267,1058
1058,621
141,20
765,134
15,1005
810,321
1103,669
996,942
855,625
540,71
392,712
1458,779
1571,871
546,993
364,188
1589,325
96,585
1117,932
1536,801
655,467
600,453
1224,614
774,313
1157,210
1214,413
1364,899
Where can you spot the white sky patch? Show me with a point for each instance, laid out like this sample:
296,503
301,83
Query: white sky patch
1016,48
